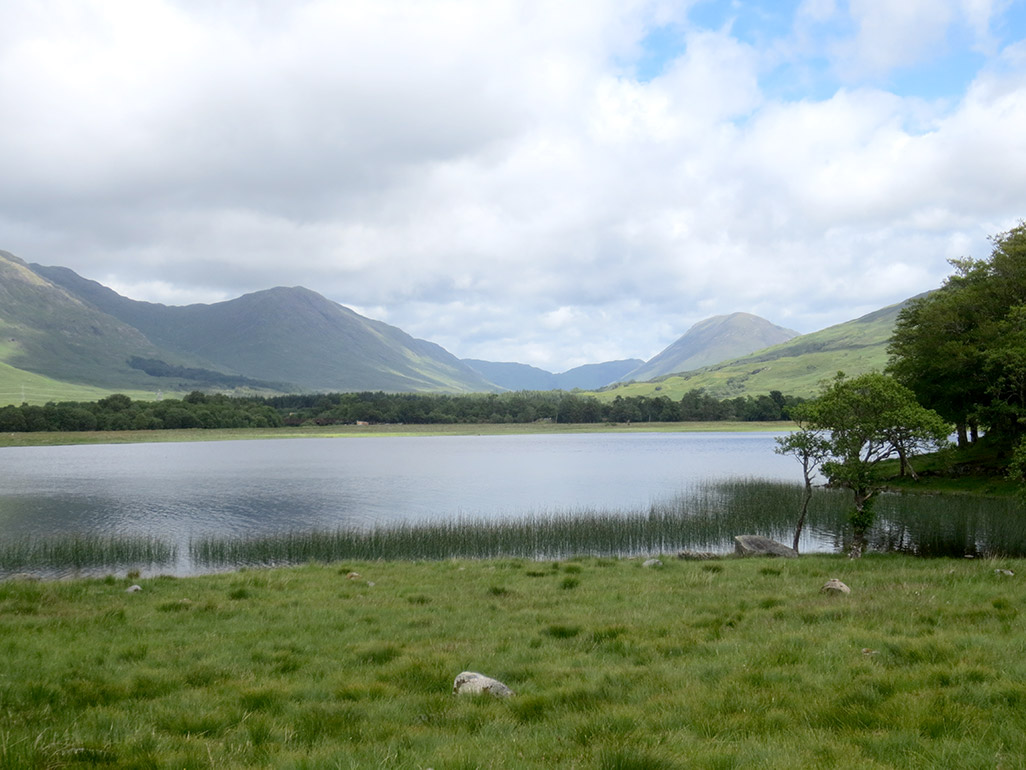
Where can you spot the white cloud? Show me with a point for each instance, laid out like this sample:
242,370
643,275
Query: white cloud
489,175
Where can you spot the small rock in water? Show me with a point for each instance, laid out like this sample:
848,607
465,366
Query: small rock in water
834,586
472,683
652,563
133,589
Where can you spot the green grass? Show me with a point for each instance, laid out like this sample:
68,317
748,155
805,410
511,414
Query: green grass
738,663
18,386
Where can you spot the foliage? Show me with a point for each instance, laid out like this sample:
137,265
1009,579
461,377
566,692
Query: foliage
919,666
199,410
864,421
962,349
811,448
119,412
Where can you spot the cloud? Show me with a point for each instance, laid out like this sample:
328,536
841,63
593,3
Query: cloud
493,176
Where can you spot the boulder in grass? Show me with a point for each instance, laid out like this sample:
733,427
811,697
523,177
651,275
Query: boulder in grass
757,545
834,586
652,563
133,589
472,683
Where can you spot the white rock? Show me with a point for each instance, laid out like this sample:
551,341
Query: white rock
133,589
472,683
1004,572
652,563
835,586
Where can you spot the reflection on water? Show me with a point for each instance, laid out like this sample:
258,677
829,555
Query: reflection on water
183,493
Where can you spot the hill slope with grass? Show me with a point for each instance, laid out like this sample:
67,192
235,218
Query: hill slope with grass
795,367
716,339
284,338
50,333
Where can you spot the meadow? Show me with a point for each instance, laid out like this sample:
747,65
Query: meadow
716,664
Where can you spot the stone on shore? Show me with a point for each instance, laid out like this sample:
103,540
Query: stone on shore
757,545
834,586
472,683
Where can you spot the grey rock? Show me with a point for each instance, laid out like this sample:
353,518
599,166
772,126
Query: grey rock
652,563
757,545
834,586
133,589
1004,572
472,683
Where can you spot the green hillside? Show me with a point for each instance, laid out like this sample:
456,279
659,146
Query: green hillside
292,336
18,386
712,341
47,331
796,367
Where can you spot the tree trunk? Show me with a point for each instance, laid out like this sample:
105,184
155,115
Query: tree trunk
861,522
963,436
806,497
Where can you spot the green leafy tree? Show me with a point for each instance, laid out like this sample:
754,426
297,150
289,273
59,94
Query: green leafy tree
811,448
961,349
864,421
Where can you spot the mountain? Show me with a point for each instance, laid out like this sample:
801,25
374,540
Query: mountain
513,376
796,367
716,339
291,336
48,331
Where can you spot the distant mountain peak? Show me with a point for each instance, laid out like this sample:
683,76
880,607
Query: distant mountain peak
710,341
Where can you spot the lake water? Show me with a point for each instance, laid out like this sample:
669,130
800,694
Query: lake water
184,490
180,491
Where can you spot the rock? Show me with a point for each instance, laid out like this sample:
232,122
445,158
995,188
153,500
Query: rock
834,586
133,589
1004,572
652,563
354,576
698,555
472,683
757,545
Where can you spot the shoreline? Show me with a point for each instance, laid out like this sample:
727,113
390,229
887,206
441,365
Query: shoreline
69,438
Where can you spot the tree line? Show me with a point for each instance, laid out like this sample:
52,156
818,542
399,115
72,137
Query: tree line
200,410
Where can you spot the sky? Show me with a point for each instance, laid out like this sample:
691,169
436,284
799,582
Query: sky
554,182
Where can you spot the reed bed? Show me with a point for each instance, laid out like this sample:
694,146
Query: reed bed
950,525
706,517
83,551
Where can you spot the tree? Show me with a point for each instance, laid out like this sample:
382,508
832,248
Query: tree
810,447
960,349
866,420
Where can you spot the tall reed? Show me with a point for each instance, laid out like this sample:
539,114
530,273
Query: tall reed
83,551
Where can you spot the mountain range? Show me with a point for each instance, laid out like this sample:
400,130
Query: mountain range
59,328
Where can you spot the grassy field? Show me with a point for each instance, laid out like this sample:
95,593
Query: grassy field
350,431
18,386
723,664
